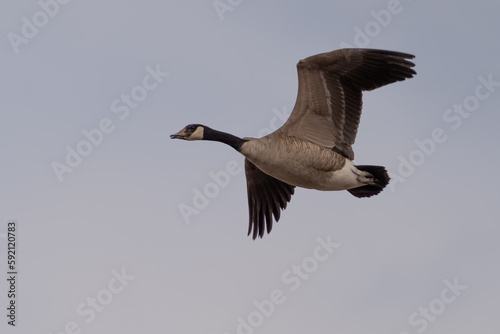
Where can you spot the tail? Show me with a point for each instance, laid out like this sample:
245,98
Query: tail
381,179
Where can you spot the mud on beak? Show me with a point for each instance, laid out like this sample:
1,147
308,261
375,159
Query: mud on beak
179,135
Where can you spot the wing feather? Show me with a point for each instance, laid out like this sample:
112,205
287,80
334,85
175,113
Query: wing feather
267,196
329,101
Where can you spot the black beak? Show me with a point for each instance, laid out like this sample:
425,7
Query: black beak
178,135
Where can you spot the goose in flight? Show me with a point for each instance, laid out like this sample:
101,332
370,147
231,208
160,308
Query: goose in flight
313,149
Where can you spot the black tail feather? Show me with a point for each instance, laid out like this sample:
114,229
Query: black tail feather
381,180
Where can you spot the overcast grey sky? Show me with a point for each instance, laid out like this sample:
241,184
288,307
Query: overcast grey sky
122,230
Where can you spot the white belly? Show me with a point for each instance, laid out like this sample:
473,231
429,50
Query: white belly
342,179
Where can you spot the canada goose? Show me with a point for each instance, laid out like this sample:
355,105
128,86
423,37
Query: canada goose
313,148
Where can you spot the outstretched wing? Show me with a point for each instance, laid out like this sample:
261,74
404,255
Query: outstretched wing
328,106
266,197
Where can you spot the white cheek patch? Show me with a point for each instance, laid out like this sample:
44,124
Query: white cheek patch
197,134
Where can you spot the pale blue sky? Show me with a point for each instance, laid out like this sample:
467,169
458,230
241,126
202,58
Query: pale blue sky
117,211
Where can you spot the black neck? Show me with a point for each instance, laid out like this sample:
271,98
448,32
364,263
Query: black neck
223,137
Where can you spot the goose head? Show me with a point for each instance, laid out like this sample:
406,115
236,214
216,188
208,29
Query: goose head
202,132
190,132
